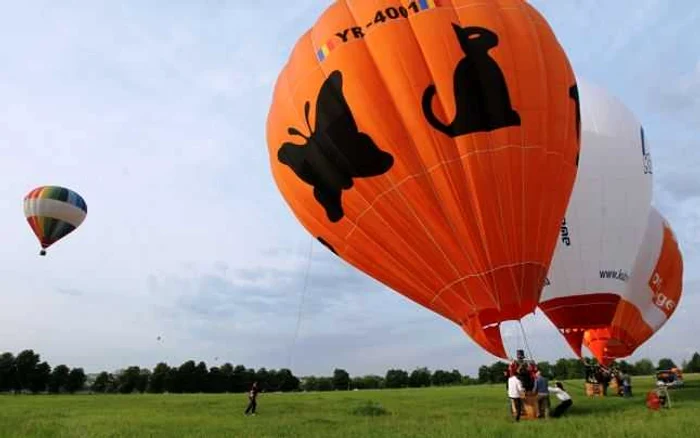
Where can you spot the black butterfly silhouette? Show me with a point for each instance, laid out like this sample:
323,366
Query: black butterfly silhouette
335,151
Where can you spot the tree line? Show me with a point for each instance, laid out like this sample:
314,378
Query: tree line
26,373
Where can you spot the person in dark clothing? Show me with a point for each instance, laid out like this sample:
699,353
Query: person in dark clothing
252,399
564,397
602,376
542,390
591,373
526,378
627,385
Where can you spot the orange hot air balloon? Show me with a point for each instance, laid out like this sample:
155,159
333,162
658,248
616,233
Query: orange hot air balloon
433,145
652,295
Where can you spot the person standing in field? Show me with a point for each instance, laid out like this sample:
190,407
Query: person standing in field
515,392
627,385
542,391
565,398
252,399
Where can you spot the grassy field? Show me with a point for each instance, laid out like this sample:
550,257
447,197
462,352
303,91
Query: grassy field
478,411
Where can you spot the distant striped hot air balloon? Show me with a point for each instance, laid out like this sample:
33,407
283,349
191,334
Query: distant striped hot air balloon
53,212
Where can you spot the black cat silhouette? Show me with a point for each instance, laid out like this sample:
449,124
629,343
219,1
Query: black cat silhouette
573,93
481,93
335,151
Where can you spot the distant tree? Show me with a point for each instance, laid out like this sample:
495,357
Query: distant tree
287,381
396,378
356,383
156,384
440,378
59,379
561,369
466,380
665,364
7,372
142,381
484,374
444,378
186,377
575,369
172,382
456,377
694,365
643,367
262,376
227,373
39,380
625,367
497,372
200,376
103,383
273,381
76,380
368,382
341,380
128,379
25,367
309,383
546,369
216,381
242,378
325,384
420,377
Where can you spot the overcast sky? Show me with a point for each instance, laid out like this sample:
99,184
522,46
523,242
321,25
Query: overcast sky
155,113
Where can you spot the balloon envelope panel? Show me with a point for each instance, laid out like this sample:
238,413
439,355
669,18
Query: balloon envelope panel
433,145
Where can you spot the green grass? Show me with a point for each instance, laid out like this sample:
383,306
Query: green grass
479,411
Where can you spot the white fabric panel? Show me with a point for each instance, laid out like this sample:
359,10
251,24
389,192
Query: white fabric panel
55,209
639,293
607,214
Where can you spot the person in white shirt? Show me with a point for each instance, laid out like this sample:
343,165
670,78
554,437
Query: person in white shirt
515,392
565,398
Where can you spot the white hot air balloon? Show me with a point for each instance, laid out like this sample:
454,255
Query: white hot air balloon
652,295
605,220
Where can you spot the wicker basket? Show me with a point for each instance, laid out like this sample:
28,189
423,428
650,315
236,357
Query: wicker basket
594,389
530,407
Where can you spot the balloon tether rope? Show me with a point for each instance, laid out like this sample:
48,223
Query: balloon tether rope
301,304
527,345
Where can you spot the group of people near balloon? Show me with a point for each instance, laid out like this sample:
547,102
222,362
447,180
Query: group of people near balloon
523,378
597,374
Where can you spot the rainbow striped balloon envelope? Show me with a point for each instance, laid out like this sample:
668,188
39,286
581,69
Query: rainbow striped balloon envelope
53,212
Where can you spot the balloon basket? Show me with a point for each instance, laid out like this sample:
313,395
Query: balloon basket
595,389
530,408
42,252
614,387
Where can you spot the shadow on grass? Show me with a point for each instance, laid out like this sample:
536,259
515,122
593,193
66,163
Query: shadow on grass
320,422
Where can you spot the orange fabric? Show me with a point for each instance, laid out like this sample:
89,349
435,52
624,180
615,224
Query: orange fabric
666,282
575,314
628,329
462,219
